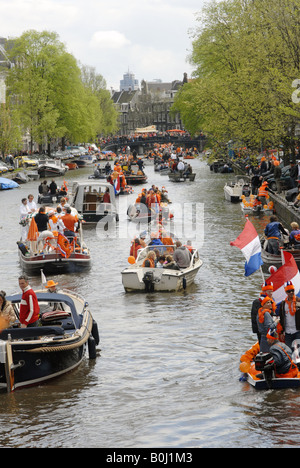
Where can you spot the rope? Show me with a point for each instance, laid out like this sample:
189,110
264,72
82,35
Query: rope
66,347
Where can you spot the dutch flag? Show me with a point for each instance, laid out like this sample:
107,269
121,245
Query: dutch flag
248,242
287,272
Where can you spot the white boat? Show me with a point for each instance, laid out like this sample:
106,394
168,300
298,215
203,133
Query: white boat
87,197
234,190
52,168
139,278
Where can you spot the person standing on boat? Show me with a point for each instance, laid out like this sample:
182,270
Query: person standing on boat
29,306
31,203
273,231
70,224
265,322
289,313
266,291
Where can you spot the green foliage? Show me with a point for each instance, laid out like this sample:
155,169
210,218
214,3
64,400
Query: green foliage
50,96
246,54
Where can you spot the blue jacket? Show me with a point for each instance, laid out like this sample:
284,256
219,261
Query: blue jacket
273,229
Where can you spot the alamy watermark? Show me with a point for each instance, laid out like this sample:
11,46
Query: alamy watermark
182,221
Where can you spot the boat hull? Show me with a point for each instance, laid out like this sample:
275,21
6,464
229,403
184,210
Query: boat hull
276,260
49,172
39,367
177,177
54,263
164,280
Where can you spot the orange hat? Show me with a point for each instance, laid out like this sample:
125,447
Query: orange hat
266,286
289,286
51,284
265,299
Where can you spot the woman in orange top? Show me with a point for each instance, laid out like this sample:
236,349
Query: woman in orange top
149,261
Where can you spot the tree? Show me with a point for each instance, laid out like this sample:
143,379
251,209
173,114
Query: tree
246,55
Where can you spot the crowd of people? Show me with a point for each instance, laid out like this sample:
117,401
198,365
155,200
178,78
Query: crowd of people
59,220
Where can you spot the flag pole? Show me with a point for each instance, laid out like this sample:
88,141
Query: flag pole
262,274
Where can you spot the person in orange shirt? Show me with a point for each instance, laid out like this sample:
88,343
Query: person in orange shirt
70,223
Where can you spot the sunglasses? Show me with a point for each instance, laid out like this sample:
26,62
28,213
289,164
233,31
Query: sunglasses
291,291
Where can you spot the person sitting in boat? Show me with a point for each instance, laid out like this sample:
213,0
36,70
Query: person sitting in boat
149,261
294,236
265,322
182,255
155,242
142,238
51,286
160,261
289,313
135,247
282,355
170,264
7,313
273,232
63,203
106,196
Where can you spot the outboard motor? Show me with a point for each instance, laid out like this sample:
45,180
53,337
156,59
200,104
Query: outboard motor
149,281
264,363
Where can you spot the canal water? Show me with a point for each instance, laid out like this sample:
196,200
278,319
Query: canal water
167,370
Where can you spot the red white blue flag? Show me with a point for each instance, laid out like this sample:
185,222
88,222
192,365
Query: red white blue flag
287,272
248,242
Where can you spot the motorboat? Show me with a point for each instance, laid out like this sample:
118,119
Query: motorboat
276,260
84,160
139,213
50,251
52,168
134,177
33,355
181,176
234,190
250,207
137,278
87,198
21,178
261,375
7,184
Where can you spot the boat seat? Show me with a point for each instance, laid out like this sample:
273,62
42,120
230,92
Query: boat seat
31,332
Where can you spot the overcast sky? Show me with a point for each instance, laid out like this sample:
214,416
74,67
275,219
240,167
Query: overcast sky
151,38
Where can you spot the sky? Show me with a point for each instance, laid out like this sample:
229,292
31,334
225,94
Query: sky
150,38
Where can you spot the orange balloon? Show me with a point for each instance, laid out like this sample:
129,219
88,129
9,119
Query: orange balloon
131,260
245,367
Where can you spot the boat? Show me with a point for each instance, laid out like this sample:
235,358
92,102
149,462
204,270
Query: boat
85,160
72,165
276,260
249,206
33,175
137,278
21,178
7,184
262,367
32,356
52,168
87,199
53,252
181,177
132,178
234,190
